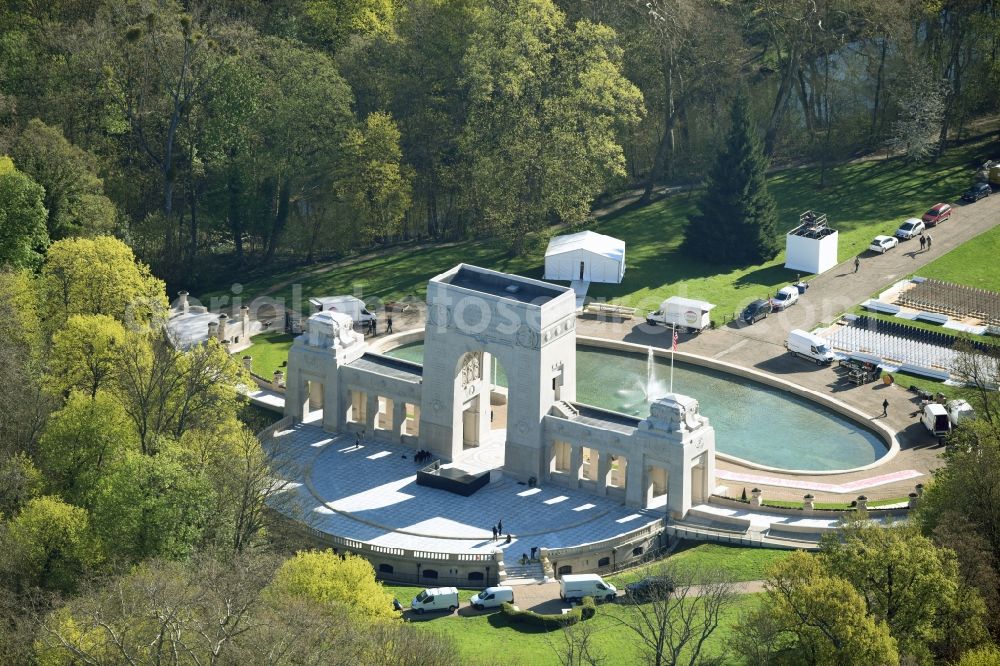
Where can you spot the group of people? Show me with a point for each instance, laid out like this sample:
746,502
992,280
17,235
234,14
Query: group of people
925,241
422,456
371,327
498,531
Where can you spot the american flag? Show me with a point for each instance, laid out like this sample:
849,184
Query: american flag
675,339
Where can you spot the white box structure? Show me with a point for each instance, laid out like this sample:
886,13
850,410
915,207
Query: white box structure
811,247
586,256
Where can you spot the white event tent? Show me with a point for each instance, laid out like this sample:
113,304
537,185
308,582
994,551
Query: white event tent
586,256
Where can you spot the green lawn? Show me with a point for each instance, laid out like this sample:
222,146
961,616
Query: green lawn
971,263
269,351
740,564
862,199
490,639
797,504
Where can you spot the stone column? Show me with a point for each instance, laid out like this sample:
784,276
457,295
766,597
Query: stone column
575,465
277,380
182,301
603,468
245,322
912,504
862,503
248,363
636,481
398,417
213,330
371,413
808,503
755,499
223,322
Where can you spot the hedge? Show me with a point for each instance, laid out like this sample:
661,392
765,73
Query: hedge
586,610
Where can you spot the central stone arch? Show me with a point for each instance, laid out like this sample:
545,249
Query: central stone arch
529,326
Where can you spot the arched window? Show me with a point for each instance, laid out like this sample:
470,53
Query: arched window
385,568
476,576
636,552
430,573
565,569
604,561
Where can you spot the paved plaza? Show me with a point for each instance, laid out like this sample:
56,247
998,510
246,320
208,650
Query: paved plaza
369,493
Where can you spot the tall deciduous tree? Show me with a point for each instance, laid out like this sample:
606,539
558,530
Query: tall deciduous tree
911,585
83,354
23,237
49,544
100,275
81,442
74,194
737,219
335,582
810,617
545,99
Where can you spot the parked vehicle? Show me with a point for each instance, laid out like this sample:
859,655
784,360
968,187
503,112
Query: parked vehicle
683,312
807,345
935,419
756,311
434,599
909,229
959,411
883,243
354,307
977,192
785,298
649,588
990,173
492,597
573,587
937,214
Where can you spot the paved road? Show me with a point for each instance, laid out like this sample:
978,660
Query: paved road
544,598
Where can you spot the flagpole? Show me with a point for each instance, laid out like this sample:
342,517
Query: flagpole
673,346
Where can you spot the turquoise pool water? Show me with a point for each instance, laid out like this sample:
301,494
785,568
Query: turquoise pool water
752,421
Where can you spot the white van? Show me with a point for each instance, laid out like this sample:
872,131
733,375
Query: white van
492,597
807,345
935,419
436,598
577,586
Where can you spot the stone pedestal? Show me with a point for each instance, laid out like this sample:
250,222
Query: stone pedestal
278,380
248,363
755,497
862,503
808,503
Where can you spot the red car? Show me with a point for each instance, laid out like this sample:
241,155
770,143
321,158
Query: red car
939,213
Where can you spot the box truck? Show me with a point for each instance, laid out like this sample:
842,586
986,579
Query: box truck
349,305
682,312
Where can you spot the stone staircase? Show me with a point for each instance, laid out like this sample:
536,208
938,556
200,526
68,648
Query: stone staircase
564,409
522,574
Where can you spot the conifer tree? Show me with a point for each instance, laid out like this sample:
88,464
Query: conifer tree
737,218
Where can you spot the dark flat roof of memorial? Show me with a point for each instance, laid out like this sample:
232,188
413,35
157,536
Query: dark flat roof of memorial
391,367
503,285
602,418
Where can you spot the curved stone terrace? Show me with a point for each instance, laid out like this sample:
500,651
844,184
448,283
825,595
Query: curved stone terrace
369,493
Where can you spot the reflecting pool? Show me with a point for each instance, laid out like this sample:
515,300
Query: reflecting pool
752,421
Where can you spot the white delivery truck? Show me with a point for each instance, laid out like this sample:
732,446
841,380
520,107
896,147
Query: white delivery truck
573,587
682,312
959,411
435,598
935,419
349,305
808,345
492,597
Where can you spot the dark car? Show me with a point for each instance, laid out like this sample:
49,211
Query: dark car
756,311
649,588
977,192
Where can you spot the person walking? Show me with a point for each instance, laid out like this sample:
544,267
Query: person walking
857,264
885,407
374,326
494,532
388,323
500,526
929,241
923,243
